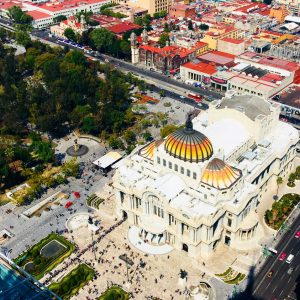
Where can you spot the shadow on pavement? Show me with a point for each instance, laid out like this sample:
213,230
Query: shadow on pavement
247,294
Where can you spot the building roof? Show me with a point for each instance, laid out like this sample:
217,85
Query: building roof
291,97
108,159
218,57
201,67
233,41
270,61
188,144
57,6
122,27
220,175
251,105
37,15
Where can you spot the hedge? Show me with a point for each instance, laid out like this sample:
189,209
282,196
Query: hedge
42,264
72,282
114,293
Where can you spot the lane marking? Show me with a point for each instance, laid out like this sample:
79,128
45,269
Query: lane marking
289,279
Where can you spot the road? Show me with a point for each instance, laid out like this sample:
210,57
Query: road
281,285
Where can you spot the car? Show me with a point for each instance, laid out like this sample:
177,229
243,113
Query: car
297,235
290,271
182,97
177,107
282,256
270,273
69,204
76,194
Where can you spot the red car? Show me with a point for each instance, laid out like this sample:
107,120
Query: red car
297,235
76,194
70,203
282,256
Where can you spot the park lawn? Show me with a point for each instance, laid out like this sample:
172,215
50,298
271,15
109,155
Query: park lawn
72,282
43,265
114,293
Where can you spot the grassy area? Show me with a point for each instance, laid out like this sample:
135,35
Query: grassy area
41,264
114,293
240,277
231,276
72,282
281,209
229,270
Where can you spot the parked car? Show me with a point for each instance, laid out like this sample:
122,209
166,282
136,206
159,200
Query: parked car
297,235
76,194
68,204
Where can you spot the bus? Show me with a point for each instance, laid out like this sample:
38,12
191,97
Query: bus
197,98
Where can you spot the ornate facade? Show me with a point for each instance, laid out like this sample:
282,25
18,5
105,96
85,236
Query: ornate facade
201,185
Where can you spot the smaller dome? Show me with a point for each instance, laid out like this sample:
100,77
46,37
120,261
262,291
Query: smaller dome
220,175
148,150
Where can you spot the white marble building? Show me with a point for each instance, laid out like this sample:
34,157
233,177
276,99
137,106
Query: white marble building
201,185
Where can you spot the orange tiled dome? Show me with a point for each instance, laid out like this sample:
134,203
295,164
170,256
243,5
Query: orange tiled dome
220,175
188,144
148,150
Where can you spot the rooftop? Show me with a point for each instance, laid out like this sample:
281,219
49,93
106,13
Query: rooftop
291,97
270,61
251,105
218,57
123,27
37,15
233,41
201,67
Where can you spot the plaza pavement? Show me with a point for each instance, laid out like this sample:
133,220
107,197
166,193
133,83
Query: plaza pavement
27,232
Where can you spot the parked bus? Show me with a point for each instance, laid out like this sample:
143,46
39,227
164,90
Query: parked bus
195,97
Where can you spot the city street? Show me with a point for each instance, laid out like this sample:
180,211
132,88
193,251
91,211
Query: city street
281,284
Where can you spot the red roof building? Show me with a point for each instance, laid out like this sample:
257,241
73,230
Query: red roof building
218,58
121,28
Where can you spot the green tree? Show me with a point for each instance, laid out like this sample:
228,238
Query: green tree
75,57
23,38
59,18
279,181
166,130
130,137
103,39
70,168
203,26
18,16
3,34
163,39
88,124
166,27
70,34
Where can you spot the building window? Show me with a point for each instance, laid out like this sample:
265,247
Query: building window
170,165
229,222
176,167
188,173
158,160
182,170
194,175
164,162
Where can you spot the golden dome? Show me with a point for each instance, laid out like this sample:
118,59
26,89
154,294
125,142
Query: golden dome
188,144
220,175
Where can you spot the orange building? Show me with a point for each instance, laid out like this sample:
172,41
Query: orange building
278,13
181,10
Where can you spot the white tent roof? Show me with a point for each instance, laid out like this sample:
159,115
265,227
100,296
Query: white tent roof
107,160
